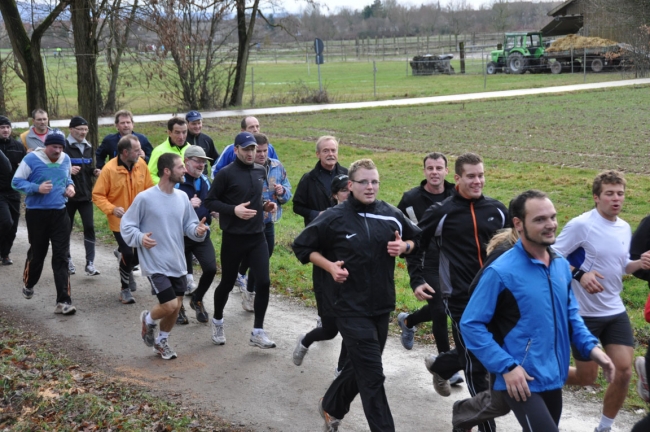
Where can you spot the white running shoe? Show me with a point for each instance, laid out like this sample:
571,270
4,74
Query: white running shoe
261,340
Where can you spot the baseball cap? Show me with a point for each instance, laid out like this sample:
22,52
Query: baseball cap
339,182
193,116
197,152
245,139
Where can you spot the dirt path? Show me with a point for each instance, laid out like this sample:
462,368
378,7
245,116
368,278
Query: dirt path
257,389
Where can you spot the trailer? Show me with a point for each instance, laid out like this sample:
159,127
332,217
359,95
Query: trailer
598,59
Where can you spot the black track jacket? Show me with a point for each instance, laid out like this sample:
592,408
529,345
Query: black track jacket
311,195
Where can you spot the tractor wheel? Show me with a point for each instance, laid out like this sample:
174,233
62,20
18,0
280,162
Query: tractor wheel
491,68
597,65
517,63
556,68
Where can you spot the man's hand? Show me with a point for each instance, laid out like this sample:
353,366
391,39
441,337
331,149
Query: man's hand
196,201
244,213
270,206
202,228
147,241
339,273
422,292
97,172
214,214
517,383
397,246
45,187
118,212
590,283
74,170
279,189
645,260
69,191
604,362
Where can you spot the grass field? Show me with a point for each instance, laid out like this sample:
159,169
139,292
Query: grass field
288,83
556,143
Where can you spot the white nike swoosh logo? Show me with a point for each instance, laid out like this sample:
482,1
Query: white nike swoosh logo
349,236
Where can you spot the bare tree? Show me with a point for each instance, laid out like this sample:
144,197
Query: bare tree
457,15
28,49
500,15
245,35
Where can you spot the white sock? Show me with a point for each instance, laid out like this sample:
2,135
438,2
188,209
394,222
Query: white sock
605,422
162,335
149,320
257,331
217,322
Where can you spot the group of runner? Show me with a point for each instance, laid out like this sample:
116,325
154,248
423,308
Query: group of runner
497,273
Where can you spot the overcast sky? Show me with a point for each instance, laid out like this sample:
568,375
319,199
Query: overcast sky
295,6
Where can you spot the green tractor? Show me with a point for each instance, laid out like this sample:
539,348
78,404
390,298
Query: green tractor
521,52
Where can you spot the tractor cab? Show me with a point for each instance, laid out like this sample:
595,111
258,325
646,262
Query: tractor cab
521,52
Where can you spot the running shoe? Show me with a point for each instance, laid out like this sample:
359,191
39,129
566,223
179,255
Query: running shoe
163,350
65,309
218,336
248,301
117,254
148,330
191,285
28,292
261,340
241,282
456,379
136,267
133,286
71,268
408,333
201,314
319,322
337,372
300,351
91,270
642,384
440,385
126,297
182,316
7,261
331,423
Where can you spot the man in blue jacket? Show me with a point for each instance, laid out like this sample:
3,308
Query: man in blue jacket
523,316
124,126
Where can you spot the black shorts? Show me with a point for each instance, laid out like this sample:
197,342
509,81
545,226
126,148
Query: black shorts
167,288
610,330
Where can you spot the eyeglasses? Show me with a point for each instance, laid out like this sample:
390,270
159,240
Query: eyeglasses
198,161
364,183
82,130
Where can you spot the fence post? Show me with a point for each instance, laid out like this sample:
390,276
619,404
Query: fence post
374,78
484,66
571,58
584,66
407,66
461,45
253,86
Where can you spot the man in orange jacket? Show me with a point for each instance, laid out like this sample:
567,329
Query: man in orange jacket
121,179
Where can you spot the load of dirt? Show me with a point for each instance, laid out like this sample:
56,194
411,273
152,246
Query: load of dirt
578,42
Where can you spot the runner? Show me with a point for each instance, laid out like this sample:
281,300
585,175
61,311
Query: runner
124,125
597,244
155,224
176,143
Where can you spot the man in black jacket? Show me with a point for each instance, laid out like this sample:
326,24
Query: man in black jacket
433,189
236,194
83,172
12,152
196,137
313,194
462,226
356,243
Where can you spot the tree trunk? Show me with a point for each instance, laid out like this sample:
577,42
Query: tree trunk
3,74
120,41
245,36
86,51
28,51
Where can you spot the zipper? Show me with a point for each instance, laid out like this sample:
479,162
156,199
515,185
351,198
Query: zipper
478,243
526,352
550,286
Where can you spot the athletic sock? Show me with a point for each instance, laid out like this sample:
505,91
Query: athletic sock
257,331
149,320
217,321
605,422
162,335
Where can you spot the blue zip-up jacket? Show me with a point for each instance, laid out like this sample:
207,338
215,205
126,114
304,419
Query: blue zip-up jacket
36,168
275,174
199,187
108,148
228,156
534,315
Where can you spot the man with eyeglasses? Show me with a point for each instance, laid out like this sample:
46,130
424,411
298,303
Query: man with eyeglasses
355,244
196,186
83,172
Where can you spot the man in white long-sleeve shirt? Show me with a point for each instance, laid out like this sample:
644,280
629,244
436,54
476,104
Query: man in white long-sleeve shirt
597,245
155,224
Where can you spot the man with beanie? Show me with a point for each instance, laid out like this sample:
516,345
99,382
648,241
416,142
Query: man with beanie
198,138
176,142
83,171
45,177
11,152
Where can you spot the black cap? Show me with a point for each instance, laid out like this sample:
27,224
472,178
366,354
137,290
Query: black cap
4,121
78,121
339,182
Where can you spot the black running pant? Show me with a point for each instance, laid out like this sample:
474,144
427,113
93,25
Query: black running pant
327,331
460,358
234,248
85,209
362,373
204,252
540,412
433,311
269,233
45,227
9,215
128,260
